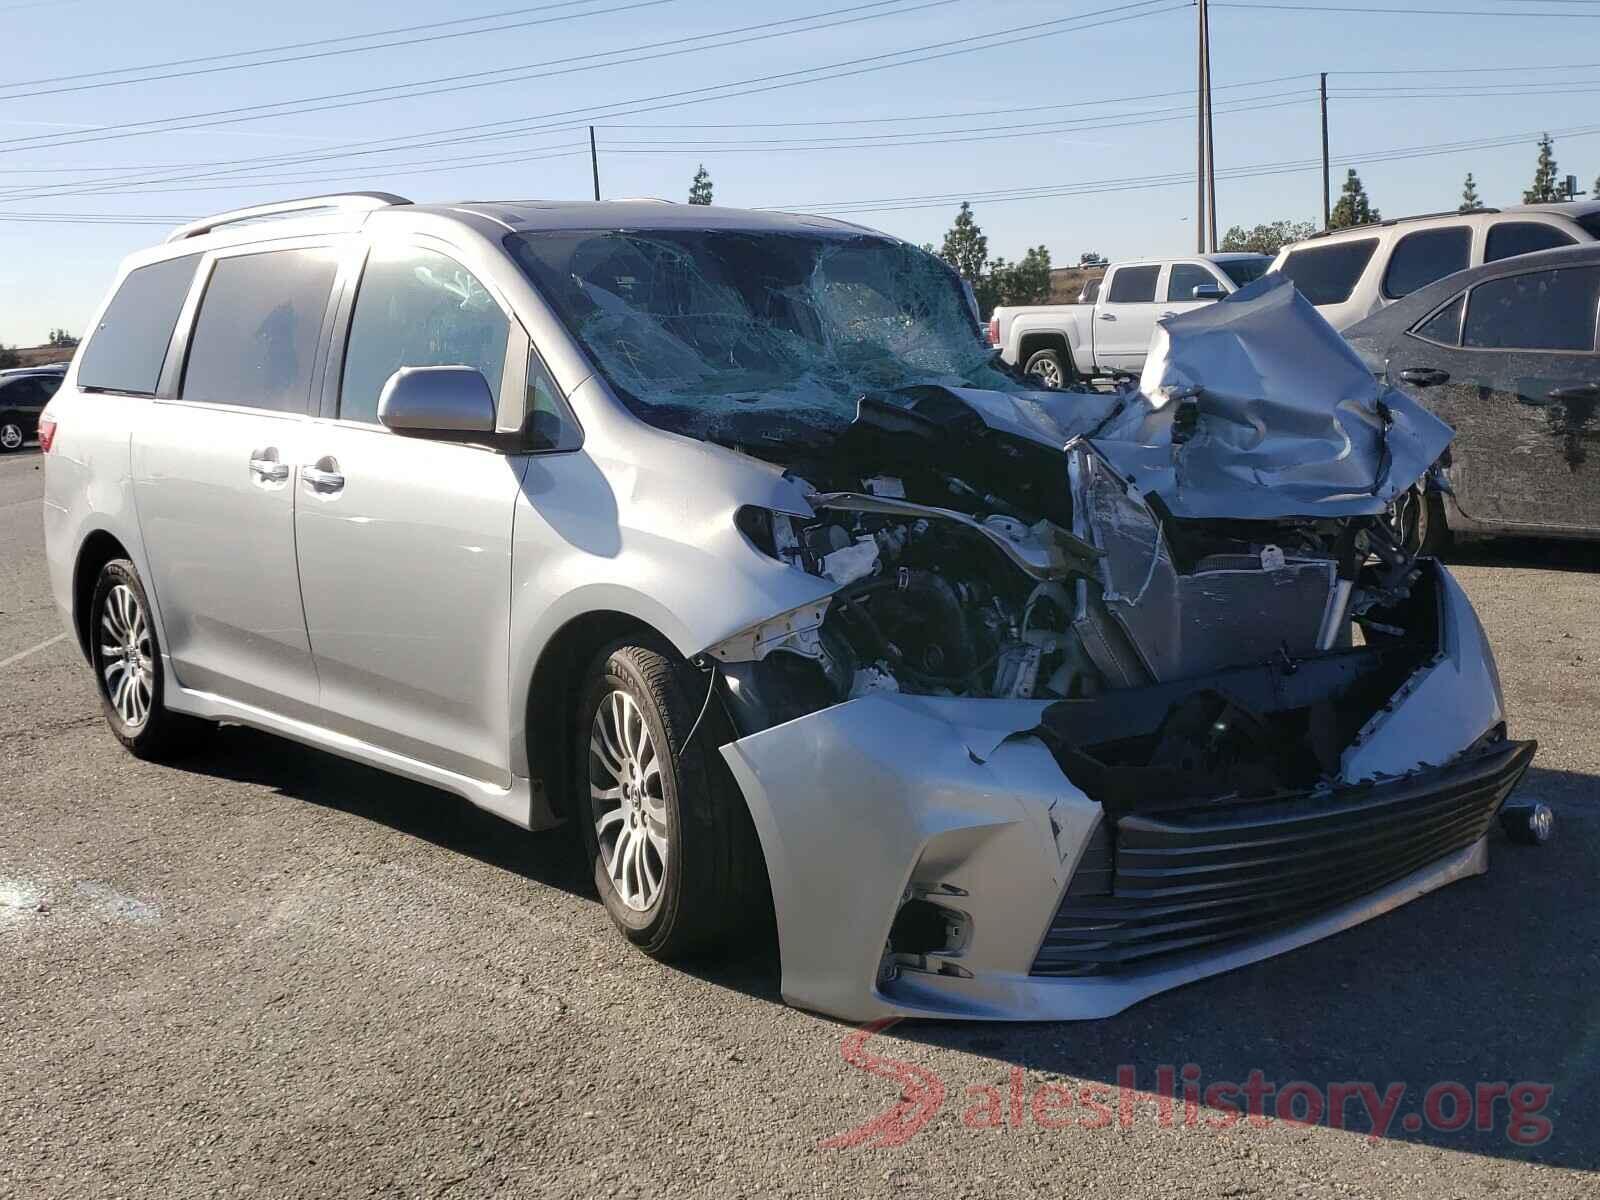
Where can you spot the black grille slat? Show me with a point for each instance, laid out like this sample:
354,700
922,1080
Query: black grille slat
1180,884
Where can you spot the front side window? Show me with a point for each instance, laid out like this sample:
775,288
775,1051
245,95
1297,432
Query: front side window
417,308
1133,285
1511,238
1184,278
1328,274
756,337
127,348
1538,310
1423,257
255,339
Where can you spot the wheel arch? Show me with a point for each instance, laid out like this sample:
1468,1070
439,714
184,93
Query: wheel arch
97,549
1038,340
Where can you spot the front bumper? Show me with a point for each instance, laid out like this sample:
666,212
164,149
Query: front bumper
948,805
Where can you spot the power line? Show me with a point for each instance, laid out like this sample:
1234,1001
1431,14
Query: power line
268,62
488,131
447,83
1409,12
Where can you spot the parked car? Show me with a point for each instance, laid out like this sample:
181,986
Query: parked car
1059,343
1506,353
721,535
24,391
1349,274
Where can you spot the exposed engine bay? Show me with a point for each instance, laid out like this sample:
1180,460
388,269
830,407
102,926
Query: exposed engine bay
1197,639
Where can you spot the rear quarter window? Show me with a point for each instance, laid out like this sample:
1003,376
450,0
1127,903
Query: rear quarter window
1511,238
126,350
1328,274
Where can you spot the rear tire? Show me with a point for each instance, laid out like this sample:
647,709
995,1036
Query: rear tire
675,856
1050,368
12,434
126,658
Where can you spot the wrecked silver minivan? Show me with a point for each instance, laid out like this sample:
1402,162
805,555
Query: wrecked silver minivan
725,537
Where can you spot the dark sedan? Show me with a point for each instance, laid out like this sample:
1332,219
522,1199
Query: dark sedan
23,394
1506,353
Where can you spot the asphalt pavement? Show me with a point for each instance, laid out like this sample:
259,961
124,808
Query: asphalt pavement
270,972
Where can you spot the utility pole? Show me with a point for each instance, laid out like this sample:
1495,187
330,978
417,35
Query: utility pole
1211,158
594,163
1327,213
1200,131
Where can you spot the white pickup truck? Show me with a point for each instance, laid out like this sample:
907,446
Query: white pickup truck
1057,343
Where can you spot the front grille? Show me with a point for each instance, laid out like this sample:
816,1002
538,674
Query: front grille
1181,883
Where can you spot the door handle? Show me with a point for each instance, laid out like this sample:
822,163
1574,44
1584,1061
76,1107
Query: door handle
1578,391
1424,376
325,476
1108,316
264,465
1165,315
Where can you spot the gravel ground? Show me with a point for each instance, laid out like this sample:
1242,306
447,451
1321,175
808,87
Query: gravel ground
272,972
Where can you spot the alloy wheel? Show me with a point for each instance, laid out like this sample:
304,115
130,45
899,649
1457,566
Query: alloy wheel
11,436
1047,373
126,656
627,801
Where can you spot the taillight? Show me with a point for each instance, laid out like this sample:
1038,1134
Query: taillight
994,331
47,432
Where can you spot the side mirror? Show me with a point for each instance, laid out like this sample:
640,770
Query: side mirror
1207,291
442,402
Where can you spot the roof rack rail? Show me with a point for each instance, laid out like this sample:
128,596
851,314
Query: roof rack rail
345,201
1384,224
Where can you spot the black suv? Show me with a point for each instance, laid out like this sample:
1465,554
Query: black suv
23,395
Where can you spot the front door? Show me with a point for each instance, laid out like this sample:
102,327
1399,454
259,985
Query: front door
405,543
214,481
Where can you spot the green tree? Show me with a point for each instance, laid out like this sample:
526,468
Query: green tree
9,357
1091,258
1545,188
1353,208
1469,196
62,339
965,248
700,189
1267,238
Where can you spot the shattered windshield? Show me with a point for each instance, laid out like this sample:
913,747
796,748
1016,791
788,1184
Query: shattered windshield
759,336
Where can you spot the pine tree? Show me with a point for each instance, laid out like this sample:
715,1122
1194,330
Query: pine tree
1353,208
700,189
1469,196
1544,189
965,248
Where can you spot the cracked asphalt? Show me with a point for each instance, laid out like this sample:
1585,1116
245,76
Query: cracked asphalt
269,972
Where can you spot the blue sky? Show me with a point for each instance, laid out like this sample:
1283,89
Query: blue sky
1110,100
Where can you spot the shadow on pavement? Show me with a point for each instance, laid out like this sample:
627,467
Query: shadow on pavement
1547,554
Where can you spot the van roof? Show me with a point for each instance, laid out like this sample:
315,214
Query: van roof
1561,208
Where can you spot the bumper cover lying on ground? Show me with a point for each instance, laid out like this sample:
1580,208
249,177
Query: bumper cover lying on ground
929,856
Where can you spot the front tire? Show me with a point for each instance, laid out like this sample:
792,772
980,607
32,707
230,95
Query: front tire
1049,368
12,435
675,858
127,666
1418,521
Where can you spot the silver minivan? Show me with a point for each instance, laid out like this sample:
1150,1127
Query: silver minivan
724,537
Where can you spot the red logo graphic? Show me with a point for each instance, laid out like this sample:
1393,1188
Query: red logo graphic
921,1094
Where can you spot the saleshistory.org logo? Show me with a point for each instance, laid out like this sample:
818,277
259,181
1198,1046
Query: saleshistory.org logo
1181,1096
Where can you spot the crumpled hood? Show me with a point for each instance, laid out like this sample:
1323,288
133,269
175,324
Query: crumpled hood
1288,422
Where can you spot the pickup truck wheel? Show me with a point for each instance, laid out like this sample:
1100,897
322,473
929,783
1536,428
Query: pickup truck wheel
1048,368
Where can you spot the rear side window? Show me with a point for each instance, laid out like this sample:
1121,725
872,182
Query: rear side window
256,337
1444,327
1133,285
416,308
1425,256
1184,278
1245,270
1539,310
127,348
1328,274
1511,238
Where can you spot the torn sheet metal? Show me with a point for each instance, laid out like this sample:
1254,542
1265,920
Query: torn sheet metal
1274,416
